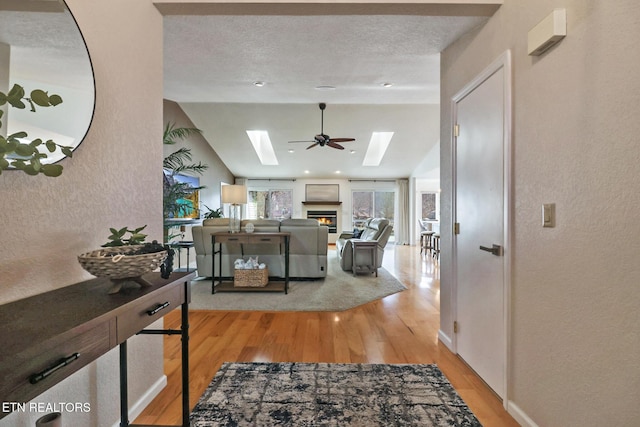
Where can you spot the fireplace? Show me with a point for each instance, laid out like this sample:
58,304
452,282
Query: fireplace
328,218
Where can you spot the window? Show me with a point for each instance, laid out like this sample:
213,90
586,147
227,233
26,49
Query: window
428,206
372,204
269,204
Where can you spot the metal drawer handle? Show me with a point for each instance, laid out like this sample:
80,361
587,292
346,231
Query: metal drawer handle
59,365
265,239
232,239
158,308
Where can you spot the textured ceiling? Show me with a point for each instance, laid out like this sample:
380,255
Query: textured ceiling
211,60
211,63
216,58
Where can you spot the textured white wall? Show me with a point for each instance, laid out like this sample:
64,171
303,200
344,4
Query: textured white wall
575,291
112,180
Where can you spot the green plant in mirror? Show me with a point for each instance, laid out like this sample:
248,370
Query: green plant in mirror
27,156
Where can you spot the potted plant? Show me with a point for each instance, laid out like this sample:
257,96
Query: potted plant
212,213
126,257
176,193
15,151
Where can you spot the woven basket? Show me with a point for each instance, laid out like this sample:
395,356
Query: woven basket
255,278
105,262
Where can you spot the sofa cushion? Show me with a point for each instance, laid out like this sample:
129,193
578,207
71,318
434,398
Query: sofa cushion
264,225
216,222
299,222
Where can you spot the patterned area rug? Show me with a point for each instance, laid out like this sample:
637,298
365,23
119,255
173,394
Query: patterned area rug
309,394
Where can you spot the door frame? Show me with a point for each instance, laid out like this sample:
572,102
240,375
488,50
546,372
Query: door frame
502,62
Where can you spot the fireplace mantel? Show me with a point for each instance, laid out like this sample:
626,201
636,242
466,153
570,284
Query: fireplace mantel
324,203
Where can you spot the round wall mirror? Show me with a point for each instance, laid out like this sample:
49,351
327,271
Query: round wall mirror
41,47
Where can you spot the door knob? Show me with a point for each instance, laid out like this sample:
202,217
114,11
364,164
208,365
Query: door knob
495,249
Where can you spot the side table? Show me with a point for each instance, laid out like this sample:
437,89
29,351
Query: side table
186,245
360,247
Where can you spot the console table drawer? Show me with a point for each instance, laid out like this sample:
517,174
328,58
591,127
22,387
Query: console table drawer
231,239
43,365
147,310
275,240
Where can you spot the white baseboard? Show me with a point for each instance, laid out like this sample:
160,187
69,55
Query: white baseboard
445,339
145,399
519,415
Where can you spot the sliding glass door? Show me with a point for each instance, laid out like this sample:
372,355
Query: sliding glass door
367,204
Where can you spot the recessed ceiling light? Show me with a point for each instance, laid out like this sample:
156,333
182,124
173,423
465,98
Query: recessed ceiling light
306,171
258,83
377,147
291,150
324,87
262,144
386,84
352,151
338,172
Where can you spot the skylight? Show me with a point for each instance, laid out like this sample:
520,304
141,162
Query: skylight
262,144
377,147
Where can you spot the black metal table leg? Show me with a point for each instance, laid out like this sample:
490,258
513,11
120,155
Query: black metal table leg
185,359
124,395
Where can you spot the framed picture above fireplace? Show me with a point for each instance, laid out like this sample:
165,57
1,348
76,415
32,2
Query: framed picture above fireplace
322,192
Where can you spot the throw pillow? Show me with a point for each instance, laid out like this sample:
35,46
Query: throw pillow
357,233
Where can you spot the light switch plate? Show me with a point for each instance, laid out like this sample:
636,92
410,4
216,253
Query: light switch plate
549,215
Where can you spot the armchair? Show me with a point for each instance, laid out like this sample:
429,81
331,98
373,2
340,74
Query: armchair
376,229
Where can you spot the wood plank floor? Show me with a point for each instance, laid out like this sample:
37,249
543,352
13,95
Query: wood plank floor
401,328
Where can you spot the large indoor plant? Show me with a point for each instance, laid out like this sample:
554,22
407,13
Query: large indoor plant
15,151
175,193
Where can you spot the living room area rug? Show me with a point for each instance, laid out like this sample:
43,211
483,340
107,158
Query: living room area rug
323,394
338,291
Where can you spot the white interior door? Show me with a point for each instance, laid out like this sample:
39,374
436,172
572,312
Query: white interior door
480,212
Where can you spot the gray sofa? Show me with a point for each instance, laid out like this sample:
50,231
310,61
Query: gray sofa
375,229
307,247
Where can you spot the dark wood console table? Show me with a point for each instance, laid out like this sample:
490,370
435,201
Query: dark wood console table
274,238
47,337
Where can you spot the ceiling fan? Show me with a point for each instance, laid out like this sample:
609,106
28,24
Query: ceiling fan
322,139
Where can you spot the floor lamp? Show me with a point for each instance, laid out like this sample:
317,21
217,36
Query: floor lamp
235,195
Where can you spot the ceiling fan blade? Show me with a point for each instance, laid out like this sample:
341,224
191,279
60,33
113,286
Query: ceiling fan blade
290,142
312,145
342,139
334,145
